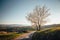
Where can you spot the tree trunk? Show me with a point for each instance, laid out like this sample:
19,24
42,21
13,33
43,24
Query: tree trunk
39,27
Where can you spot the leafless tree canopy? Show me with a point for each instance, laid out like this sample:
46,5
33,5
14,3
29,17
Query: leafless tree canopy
38,15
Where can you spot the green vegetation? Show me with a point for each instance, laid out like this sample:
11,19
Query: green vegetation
47,34
17,29
8,36
8,33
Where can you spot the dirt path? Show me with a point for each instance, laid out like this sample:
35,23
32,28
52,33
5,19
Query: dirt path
25,36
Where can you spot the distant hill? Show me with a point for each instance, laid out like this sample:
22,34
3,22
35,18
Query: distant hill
53,25
17,25
13,25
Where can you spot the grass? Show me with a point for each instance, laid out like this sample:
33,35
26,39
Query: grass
52,33
9,36
49,29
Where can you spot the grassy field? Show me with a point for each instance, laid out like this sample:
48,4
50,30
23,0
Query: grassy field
52,33
8,36
9,33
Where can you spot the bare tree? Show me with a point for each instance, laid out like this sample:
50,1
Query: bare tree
38,16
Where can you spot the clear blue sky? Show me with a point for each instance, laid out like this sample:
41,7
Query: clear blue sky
14,11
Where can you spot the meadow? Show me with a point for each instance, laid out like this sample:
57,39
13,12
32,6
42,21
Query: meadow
9,33
8,36
52,33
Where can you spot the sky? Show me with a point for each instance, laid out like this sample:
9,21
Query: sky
15,11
